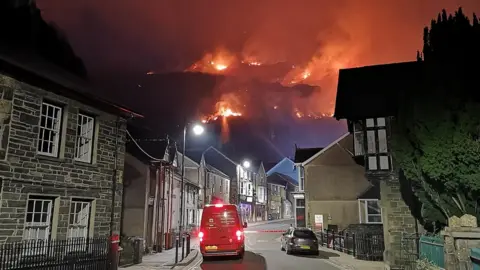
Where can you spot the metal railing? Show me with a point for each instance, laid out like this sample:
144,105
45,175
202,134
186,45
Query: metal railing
75,253
366,246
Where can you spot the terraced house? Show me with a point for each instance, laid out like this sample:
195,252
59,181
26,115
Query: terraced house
61,154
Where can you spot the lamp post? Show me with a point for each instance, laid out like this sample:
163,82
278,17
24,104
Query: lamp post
197,130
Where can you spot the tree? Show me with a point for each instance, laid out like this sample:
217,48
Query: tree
436,133
23,28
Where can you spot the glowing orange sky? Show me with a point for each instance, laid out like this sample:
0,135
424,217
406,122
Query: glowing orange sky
313,34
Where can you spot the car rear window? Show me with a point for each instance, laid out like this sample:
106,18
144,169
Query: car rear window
222,218
304,234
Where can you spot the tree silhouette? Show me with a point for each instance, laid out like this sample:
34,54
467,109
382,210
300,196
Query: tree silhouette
23,28
436,133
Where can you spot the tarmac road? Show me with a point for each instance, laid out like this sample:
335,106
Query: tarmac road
263,252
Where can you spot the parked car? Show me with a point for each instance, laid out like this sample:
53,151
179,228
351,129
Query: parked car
299,240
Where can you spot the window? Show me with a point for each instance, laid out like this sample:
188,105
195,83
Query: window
84,140
249,189
261,194
302,179
378,157
358,139
49,131
79,221
373,211
300,203
38,220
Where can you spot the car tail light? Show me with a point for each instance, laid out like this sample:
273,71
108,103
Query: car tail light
200,236
239,234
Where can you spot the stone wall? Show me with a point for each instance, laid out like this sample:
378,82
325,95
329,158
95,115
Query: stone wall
397,222
461,235
24,173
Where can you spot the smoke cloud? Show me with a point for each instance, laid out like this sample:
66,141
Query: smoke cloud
317,36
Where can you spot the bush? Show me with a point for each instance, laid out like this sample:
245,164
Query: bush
425,264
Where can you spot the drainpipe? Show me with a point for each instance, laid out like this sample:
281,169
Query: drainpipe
162,226
114,177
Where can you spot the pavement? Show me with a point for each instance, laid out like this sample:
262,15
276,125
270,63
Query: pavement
262,251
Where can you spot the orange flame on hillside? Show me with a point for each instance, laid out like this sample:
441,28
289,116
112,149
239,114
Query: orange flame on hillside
215,63
223,109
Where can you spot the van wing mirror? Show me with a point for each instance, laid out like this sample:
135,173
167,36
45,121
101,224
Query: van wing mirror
245,225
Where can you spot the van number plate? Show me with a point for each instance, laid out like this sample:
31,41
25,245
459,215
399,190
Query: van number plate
211,248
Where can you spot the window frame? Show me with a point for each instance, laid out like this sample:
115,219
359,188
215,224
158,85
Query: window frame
367,215
87,226
91,141
301,184
48,226
56,129
376,155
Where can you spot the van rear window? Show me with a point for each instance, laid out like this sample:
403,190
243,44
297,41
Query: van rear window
222,218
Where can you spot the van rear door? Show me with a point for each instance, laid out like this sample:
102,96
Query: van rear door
220,225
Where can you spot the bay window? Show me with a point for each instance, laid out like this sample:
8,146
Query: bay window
377,152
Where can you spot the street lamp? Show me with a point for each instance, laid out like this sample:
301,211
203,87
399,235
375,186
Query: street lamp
246,164
197,130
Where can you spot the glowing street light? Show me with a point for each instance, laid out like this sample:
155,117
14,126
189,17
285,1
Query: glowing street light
246,164
198,129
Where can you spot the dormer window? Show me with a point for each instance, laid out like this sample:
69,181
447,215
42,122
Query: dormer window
377,152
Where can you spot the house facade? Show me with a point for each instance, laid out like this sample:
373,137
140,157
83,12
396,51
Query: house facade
192,191
301,155
61,156
260,192
151,198
284,202
276,195
367,98
241,180
334,183
216,184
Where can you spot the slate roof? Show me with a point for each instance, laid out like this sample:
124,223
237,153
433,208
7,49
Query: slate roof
373,192
216,171
221,163
281,179
302,154
374,91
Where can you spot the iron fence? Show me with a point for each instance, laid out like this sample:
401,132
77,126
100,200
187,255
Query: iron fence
71,254
367,246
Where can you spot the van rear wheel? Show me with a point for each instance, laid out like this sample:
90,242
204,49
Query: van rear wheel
242,253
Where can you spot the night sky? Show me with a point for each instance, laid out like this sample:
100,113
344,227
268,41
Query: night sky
120,41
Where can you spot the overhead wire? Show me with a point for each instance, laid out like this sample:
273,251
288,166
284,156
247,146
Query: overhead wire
143,151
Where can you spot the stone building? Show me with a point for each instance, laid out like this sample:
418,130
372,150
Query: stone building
61,154
367,98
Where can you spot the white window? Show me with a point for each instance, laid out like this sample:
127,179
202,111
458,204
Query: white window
371,142
382,141
370,122
372,163
373,211
302,179
84,140
261,195
79,220
49,131
249,189
358,139
38,221
381,122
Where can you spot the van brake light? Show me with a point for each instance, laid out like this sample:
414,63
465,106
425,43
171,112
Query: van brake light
239,233
200,234
218,205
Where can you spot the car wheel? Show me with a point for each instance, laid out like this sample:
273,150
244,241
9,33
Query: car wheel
242,253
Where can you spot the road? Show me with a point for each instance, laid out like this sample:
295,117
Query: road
263,252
